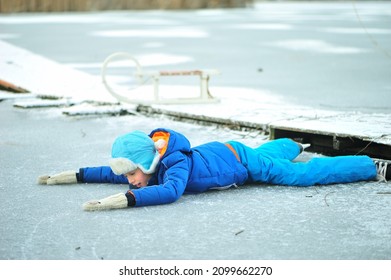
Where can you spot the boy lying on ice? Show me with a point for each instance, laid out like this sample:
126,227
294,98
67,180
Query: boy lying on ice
162,166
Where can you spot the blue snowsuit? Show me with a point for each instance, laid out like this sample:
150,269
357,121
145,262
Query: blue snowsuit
216,165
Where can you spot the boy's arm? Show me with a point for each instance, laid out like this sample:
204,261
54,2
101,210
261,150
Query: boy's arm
176,175
102,174
173,186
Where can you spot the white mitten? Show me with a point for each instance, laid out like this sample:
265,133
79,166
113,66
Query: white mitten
66,177
112,202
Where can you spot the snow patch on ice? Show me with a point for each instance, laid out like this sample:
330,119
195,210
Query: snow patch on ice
152,59
153,45
46,77
342,30
264,26
179,32
316,46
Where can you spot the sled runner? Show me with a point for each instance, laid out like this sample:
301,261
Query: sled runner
137,79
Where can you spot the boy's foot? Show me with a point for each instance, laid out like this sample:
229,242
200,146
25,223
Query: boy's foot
383,168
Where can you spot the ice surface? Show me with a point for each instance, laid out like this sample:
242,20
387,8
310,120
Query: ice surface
250,222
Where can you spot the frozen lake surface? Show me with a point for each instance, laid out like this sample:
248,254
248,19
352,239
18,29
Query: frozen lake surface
312,54
250,222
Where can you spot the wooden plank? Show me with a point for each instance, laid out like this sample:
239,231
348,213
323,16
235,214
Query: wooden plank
7,86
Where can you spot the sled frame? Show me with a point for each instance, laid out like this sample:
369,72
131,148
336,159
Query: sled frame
155,76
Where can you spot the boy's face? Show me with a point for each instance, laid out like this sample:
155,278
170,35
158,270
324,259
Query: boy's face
137,178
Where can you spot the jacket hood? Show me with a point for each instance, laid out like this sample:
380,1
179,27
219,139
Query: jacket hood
175,141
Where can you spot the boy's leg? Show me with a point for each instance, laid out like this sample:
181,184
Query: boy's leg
283,148
318,171
263,168
258,160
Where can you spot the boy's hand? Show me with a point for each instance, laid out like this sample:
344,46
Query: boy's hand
66,177
116,201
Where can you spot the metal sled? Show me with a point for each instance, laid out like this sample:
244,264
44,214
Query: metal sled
139,78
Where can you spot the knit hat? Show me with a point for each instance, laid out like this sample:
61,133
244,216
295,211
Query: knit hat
134,150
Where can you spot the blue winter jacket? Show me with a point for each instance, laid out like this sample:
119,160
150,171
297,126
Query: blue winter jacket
181,169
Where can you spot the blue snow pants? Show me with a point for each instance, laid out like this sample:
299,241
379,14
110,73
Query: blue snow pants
272,163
